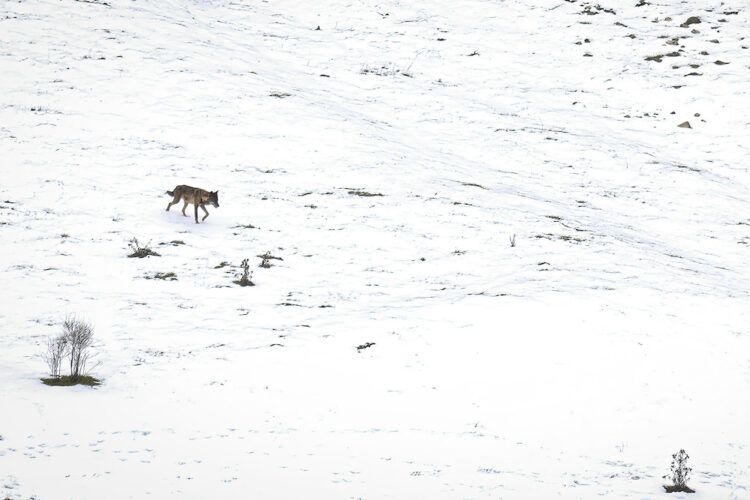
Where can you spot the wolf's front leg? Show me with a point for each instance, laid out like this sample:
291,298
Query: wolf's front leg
196,213
204,209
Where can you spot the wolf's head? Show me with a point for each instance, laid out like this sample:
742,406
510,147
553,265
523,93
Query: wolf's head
213,198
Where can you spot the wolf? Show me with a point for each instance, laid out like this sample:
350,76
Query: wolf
197,196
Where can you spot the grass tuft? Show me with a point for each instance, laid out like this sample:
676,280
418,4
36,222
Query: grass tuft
139,251
361,192
170,276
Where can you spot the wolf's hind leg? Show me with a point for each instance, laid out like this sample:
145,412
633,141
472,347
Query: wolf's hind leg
176,195
169,205
175,200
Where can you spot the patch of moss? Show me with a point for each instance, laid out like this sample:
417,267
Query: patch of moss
678,488
67,380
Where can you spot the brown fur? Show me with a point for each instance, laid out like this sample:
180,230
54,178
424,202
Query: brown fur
197,196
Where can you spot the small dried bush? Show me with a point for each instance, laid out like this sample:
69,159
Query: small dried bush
79,336
57,350
74,343
679,472
140,251
244,278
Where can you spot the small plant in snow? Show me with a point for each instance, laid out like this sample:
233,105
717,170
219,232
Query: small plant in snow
389,69
140,251
513,241
679,474
244,278
57,350
162,276
79,336
266,260
74,343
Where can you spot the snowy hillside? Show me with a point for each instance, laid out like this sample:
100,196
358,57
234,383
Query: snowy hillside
496,195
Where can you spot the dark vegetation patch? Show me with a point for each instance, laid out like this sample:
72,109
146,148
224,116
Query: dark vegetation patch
473,184
595,9
141,251
67,380
690,21
244,279
162,276
366,345
563,237
678,489
95,2
659,57
280,95
268,256
174,243
362,192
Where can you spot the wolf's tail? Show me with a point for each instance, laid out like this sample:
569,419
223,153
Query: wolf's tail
170,193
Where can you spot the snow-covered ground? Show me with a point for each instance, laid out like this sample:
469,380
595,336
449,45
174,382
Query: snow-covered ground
615,332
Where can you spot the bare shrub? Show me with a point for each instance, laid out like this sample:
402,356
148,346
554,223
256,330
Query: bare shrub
79,337
140,251
57,350
679,472
266,260
244,278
